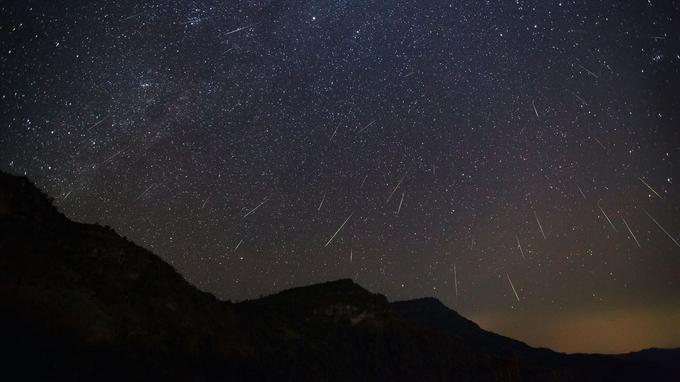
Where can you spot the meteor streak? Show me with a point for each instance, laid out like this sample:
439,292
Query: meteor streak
631,232
336,232
663,229
512,286
256,207
539,225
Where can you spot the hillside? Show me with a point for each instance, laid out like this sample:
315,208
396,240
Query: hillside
82,303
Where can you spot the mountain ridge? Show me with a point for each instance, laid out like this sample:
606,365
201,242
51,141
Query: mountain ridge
82,302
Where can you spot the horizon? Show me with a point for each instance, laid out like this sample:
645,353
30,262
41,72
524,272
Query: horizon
559,340
517,161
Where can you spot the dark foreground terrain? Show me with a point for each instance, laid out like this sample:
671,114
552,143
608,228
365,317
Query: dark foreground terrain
79,302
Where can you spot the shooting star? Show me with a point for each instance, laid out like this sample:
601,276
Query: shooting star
580,99
336,232
535,110
581,191
334,132
258,206
113,156
455,279
395,188
600,143
144,193
238,245
205,202
367,126
67,194
401,202
650,187
363,181
540,226
321,204
512,286
631,232
587,70
521,251
607,217
98,122
135,15
239,29
663,229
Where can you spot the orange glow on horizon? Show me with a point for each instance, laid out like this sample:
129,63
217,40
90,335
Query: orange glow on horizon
608,331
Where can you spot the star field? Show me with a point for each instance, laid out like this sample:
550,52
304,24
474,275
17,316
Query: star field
517,160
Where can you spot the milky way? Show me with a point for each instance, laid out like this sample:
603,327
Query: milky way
517,160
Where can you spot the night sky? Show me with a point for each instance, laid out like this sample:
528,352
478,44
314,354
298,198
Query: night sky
520,161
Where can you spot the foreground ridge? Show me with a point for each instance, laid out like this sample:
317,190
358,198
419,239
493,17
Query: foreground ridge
82,302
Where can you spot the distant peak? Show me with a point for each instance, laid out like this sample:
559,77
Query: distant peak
332,287
340,283
432,311
342,291
426,300
429,303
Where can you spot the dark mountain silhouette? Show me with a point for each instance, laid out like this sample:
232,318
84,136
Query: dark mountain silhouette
79,302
